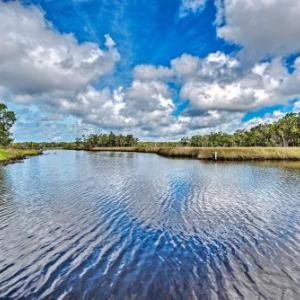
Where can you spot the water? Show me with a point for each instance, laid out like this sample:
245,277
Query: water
79,225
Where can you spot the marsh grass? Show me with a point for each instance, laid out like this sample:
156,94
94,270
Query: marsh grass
221,153
9,154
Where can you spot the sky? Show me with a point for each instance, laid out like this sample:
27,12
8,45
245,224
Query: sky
158,69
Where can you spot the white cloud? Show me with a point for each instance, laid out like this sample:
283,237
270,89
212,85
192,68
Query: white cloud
297,107
215,66
211,120
217,82
148,72
150,103
144,108
191,6
37,59
261,27
103,108
149,95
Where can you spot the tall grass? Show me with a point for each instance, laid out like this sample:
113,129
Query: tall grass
219,153
15,154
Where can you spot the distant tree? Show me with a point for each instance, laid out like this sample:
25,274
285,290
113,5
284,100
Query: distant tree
184,141
106,140
112,139
284,132
7,120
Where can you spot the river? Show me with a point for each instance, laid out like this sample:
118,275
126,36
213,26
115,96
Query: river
81,225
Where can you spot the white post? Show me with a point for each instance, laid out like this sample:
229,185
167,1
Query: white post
216,155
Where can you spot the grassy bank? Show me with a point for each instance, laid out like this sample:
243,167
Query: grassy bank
219,153
10,155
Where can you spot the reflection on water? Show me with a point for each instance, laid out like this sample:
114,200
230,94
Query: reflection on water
282,164
78,225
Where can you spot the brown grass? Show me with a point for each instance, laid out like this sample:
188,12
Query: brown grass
232,153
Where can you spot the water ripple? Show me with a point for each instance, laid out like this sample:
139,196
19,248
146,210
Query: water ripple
78,225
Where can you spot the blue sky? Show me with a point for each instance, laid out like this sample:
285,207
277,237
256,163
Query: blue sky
146,32
160,69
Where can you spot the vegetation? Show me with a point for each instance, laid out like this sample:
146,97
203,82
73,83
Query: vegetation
45,145
7,120
92,141
285,132
9,154
216,153
106,140
85,142
276,141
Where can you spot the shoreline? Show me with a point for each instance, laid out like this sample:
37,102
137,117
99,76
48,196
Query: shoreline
215,153
10,155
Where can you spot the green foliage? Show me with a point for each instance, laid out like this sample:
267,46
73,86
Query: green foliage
285,132
44,145
106,140
7,120
10,154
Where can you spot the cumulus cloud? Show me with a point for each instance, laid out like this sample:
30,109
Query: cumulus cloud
214,66
150,102
148,72
211,120
261,27
145,107
37,59
218,82
103,108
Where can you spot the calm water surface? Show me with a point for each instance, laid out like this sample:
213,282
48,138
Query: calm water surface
79,225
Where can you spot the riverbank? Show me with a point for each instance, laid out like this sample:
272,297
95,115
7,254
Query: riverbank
12,155
216,153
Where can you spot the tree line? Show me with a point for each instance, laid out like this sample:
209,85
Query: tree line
44,145
106,140
85,142
285,132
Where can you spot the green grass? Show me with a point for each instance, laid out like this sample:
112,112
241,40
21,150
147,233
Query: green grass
222,153
9,154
